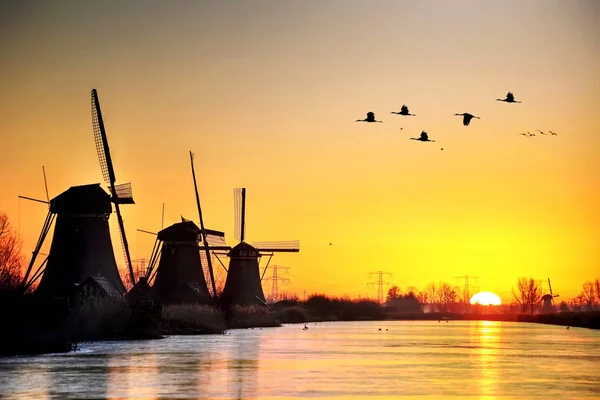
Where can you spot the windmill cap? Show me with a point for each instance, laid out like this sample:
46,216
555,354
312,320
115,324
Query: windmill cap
85,199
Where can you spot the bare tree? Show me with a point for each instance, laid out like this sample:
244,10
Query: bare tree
431,294
528,294
421,295
446,296
393,293
413,290
11,259
125,278
588,295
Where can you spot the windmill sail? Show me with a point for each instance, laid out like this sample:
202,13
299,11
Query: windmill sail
122,195
239,200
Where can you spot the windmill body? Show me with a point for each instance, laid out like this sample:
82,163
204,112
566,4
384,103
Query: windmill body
548,300
81,244
179,276
243,285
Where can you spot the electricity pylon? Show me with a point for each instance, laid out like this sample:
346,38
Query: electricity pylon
275,281
380,283
466,287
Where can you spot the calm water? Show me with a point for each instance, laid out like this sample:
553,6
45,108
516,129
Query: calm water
459,359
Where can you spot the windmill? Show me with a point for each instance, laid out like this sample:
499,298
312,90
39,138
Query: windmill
179,277
243,284
81,244
548,300
120,194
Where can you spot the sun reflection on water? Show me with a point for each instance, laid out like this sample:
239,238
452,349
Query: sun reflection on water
486,336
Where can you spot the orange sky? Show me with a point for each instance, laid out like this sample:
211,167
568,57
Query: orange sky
266,94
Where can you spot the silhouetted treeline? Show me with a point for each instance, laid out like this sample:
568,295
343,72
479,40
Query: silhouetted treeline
320,307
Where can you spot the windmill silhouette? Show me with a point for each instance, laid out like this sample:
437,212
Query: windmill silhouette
81,244
243,283
548,300
179,277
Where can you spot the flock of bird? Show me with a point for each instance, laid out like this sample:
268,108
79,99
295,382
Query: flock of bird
467,117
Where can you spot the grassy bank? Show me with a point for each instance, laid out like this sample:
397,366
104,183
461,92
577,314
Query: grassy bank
32,326
35,326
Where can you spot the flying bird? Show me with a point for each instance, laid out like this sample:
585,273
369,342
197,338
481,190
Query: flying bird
510,98
467,118
524,134
553,133
531,134
423,137
403,111
541,132
370,118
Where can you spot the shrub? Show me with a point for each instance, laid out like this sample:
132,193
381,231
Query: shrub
192,319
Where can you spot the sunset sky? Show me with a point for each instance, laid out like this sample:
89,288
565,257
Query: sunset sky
265,93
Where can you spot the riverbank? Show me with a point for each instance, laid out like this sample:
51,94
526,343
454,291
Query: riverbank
34,327
352,311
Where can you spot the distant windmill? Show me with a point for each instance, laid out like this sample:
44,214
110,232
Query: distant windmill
81,244
179,276
548,300
243,283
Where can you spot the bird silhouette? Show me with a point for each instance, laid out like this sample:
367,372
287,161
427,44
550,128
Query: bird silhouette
553,133
510,98
467,118
370,118
541,132
423,137
531,134
524,134
403,111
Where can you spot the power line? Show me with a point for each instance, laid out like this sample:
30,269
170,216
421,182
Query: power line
380,283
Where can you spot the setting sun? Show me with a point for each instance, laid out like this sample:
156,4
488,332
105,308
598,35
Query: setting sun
486,299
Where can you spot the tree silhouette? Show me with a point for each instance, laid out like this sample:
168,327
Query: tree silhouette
528,294
393,293
11,259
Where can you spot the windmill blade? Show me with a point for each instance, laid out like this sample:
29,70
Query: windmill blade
32,199
101,142
45,184
108,174
239,200
278,246
214,240
549,287
123,194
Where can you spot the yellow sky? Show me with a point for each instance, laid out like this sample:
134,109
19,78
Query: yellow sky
266,94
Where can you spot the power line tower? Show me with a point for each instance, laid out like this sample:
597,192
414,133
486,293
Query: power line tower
380,283
275,281
466,287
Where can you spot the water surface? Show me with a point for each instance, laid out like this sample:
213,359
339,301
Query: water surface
408,359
